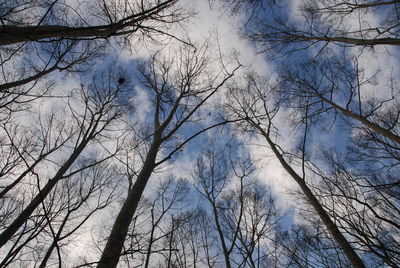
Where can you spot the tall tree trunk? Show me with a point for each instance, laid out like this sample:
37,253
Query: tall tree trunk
10,34
116,239
349,40
329,224
15,34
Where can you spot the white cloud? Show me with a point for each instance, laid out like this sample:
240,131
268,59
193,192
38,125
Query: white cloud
142,104
272,173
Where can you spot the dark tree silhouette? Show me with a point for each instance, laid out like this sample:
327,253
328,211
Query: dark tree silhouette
176,96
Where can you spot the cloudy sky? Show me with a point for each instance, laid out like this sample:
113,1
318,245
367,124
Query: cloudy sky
212,21
225,34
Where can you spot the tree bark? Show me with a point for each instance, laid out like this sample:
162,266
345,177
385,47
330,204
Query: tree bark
148,253
116,239
14,34
10,34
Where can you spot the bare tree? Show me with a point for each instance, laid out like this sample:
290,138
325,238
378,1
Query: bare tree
186,247
23,66
242,209
26,147
212,175
92,114
41,37
167,202
333,84
91,197
250,103
309,245
26,21
178,89
361,180
60,170
194,243
65,211
364,205
258,224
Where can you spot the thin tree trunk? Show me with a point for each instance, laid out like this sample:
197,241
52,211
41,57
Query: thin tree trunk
170,244
148,254
329,224
221,236
351,41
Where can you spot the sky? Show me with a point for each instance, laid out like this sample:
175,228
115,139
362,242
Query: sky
221,28
211,21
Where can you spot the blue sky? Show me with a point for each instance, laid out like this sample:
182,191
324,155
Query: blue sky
228,44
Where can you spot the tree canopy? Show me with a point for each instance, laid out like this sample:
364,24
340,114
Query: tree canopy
175,133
